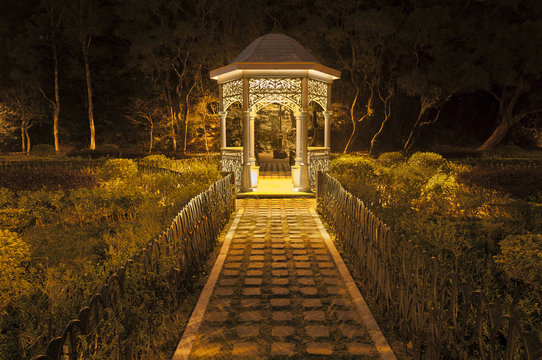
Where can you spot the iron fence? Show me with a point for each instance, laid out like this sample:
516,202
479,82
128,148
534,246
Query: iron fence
430,308
183,247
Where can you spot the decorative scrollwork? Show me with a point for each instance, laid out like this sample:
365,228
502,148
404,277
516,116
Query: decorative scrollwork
232,161
318,92
286,91
318,161
232,92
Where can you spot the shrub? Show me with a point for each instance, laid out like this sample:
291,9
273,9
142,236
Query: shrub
118,168
391,158
521,258
438,195
43,150
354,165
156,160
427,160
14,257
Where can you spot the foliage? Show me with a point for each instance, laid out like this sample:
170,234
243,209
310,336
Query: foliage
464,216
59,243
19,177
521,258
118,168
14,259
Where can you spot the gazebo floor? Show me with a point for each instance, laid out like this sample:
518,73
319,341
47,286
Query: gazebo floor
274,188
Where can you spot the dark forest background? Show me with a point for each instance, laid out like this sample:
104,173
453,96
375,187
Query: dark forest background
415,73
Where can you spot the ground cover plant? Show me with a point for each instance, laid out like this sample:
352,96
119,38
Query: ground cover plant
62,230
484,223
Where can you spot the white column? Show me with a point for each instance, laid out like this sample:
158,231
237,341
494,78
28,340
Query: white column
246,137
327,131
223,115
304,137
298,137
251,154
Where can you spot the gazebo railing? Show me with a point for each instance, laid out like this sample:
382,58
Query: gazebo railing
231,160
429,306
318,161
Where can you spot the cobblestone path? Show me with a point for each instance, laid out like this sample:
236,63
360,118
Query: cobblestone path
279,294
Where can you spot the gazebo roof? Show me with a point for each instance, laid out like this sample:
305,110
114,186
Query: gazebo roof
274,54
275,48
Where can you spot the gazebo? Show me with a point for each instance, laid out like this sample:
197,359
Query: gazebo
275,69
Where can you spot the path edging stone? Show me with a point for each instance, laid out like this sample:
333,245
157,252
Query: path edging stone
189,336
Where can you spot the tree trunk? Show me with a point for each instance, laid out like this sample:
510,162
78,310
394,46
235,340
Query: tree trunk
205,136
373,151
353,121
172,123
56,104
57,101
187,112
151,138
414,132
498,134
27,140
89,99
23,139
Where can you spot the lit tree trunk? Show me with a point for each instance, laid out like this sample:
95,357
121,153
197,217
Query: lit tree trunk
205,135
187,112
387,112
27,139
172,125
425,105
498,134
89,96
56,112
353,121
507,104
23,139
151,137
56,104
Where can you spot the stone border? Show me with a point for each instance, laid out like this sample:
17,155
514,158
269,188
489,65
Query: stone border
189,336
381,344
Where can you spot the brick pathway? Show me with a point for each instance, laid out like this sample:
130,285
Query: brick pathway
279,293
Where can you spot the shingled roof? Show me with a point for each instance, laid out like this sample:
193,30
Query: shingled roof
275,48
272,55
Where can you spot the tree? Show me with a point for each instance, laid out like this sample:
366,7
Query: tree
26,107
87,21
53,17
510,47
146,113
442,62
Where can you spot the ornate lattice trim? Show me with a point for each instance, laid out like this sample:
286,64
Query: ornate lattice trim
232,92
317,91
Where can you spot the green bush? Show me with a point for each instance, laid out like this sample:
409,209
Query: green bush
521,258
14,259
158,160
391,158
427,160
118,168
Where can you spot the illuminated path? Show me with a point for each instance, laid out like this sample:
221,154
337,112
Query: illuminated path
280,289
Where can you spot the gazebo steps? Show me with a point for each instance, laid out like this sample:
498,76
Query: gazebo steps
267,195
